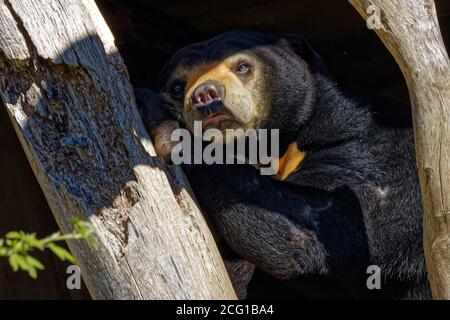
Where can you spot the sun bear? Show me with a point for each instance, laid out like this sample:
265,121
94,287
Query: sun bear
345,199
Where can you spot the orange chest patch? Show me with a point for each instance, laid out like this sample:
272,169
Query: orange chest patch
289,162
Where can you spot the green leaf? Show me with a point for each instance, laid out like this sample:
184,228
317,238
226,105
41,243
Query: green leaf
32,272
85,229
31,241
61,253
35,262
75,220
13,262
23,264
18,261
13,235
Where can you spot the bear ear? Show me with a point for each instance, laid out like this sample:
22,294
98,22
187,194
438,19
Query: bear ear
302,48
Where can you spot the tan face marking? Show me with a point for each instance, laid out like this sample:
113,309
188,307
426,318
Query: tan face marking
245,97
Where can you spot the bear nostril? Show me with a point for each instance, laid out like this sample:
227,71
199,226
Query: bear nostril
212,92
205,94
200,97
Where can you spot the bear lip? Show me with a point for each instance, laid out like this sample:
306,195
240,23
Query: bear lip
216,118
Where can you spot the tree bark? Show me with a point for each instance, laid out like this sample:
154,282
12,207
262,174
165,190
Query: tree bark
67,92
410,30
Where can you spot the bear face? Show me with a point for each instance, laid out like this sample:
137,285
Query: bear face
243,79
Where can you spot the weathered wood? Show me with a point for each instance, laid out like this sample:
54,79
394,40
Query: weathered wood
23,207
410,30
67,92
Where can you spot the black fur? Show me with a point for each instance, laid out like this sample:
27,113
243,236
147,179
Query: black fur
354,201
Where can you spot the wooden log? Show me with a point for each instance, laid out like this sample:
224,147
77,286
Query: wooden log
67,92
23,207
410,30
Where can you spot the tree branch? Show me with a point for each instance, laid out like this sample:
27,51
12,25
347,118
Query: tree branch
67,92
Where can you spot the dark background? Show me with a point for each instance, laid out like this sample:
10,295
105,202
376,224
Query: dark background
147,32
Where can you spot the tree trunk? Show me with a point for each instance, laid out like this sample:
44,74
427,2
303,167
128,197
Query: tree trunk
410,30
68,94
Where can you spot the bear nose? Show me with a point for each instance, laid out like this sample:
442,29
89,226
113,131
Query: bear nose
206,93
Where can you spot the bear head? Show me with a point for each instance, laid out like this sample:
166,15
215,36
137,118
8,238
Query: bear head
243,79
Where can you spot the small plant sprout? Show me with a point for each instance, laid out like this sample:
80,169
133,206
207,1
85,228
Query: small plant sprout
17,245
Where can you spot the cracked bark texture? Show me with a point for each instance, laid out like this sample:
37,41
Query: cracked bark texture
410,30
67,92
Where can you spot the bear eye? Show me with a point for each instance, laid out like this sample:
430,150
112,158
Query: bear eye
177,89
242,68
